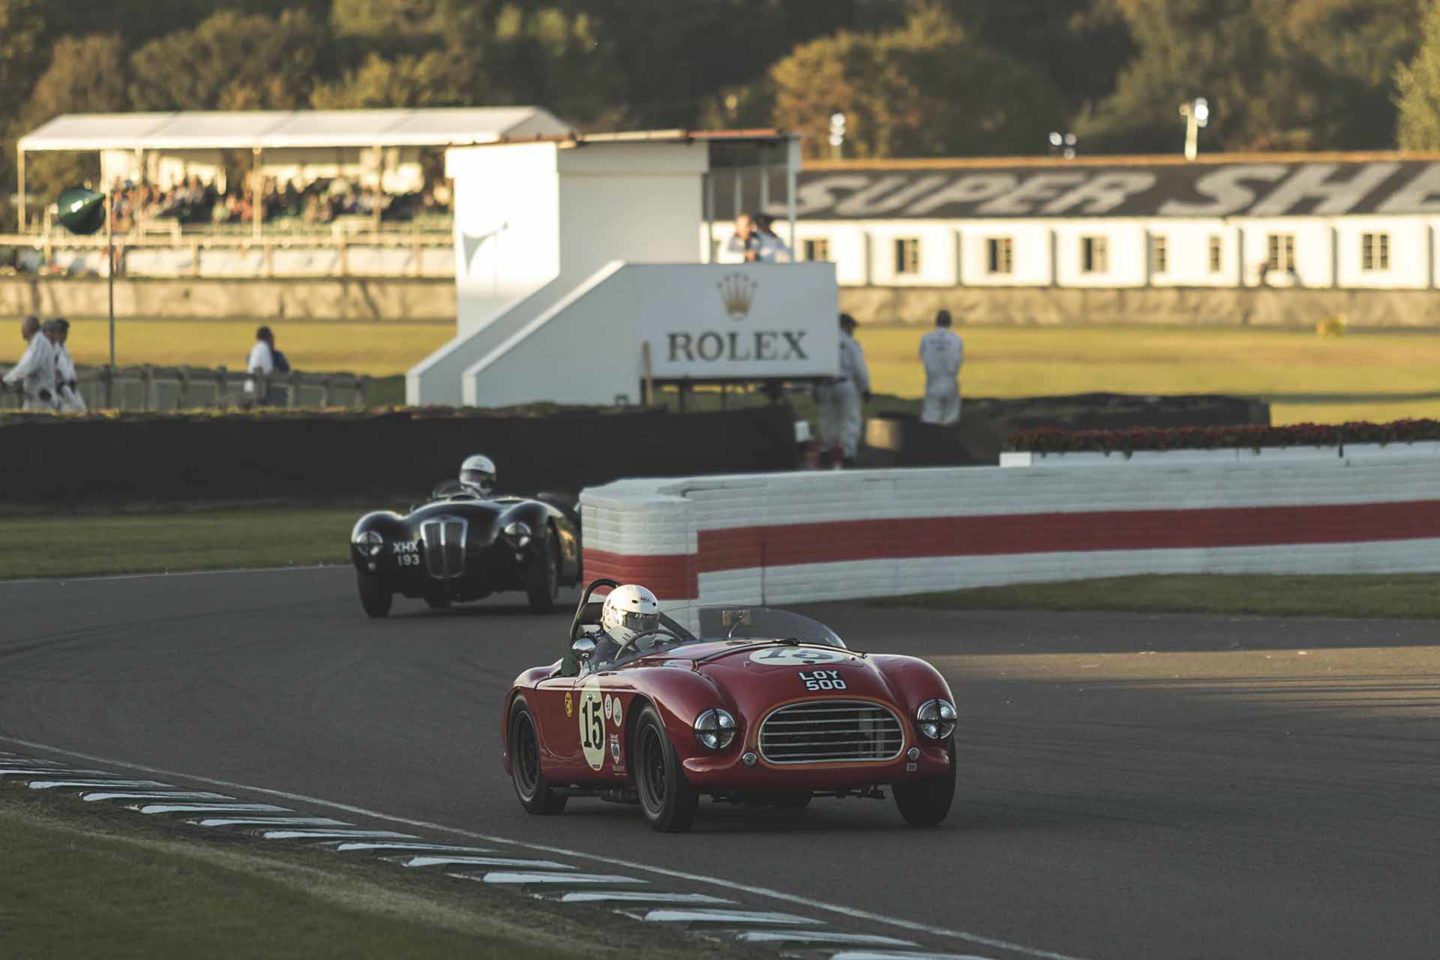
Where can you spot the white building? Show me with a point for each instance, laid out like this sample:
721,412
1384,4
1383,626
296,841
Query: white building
579,274
1331,221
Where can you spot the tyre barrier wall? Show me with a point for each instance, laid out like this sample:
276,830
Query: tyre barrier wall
77,463
788,538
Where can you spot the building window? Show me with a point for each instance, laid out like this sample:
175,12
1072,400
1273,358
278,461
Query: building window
1375,251
1280,252
1159,254
907,256
1000,255
1217,248
817,248
1094,255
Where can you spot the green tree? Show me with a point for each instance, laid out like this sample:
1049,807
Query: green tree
1418,88
22,56
86,75
427,80
231,61
1218,49
1336,60
925,89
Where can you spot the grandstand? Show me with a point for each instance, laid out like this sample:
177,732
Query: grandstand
172,172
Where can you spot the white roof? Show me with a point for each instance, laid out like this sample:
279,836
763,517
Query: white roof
277,129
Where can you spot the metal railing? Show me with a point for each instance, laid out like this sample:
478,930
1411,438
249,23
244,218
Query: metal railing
170,389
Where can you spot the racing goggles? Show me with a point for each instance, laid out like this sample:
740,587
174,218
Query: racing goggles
478,478
640,622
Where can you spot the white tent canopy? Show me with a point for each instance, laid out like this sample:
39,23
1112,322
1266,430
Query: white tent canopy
280,129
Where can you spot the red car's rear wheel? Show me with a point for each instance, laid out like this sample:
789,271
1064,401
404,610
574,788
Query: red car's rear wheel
535,793
668,799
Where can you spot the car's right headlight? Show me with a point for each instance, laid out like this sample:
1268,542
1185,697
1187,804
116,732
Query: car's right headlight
936,719
370,543
715,729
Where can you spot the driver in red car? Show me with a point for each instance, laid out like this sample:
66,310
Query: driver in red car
630,611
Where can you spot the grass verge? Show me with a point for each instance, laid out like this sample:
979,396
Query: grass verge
84,545
1364,375
1408,596
81,882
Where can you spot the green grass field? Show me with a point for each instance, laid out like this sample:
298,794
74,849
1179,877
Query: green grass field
85,545
1384,375
1412,596
72,893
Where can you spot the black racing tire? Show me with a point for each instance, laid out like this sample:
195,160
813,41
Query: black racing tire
542,579
534,791
437,601
924,803
666,797
375,595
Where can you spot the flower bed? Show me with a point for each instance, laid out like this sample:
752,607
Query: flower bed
1053,440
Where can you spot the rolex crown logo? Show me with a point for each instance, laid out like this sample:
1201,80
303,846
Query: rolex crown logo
737,293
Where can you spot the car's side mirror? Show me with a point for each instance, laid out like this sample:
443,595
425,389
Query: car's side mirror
584,649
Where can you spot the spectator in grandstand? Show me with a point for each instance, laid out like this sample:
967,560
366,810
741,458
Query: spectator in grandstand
841,401
35,372
772,248
942,353
67,387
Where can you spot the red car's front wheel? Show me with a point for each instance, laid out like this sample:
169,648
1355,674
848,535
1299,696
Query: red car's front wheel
924,803
535,793
668,799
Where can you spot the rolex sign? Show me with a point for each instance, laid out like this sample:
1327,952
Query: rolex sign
750,321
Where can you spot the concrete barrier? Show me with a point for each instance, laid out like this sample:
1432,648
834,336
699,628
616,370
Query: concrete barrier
788,538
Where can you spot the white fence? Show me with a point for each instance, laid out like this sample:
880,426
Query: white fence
417,254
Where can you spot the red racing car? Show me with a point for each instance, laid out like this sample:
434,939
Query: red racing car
769,708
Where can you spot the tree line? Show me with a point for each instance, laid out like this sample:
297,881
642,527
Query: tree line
913,77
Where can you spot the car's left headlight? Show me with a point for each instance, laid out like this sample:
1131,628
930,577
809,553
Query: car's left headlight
715,729
518,533
936,719
370,543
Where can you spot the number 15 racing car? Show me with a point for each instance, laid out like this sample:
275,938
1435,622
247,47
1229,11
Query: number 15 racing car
767,707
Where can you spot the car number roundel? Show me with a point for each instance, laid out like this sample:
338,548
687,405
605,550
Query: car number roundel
592,723
797,656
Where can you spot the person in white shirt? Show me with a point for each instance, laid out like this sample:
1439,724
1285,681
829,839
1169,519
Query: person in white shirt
36,369
841,400
942,353
67,389
261,361
744,244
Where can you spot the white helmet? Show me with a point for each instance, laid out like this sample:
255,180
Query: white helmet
477,474
629,611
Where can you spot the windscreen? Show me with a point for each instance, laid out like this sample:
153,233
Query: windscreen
764,623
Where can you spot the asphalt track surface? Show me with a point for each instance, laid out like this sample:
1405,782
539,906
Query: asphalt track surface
1130,785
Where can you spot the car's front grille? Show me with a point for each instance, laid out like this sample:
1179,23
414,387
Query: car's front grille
444,541
831,731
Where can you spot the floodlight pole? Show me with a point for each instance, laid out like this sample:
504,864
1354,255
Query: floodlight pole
110,275
20,182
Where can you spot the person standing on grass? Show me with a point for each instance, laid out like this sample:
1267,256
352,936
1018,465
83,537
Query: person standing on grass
842,400
36,369
942,353
261,364
67,387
